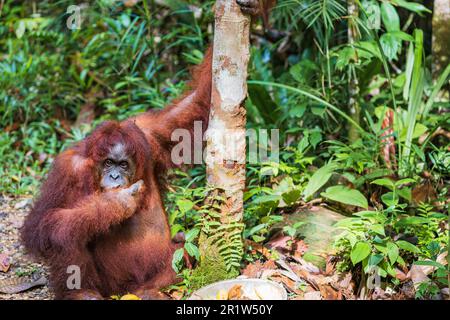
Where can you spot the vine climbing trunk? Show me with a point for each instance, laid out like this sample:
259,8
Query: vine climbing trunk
220,242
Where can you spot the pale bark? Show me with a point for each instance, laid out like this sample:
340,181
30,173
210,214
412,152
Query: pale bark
225,151
353,85
225,137
441,36
441,42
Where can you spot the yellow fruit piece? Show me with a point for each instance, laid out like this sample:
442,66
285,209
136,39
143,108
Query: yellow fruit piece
222,295
130,297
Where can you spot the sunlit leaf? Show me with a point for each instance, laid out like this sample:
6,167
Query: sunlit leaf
359,252
346,195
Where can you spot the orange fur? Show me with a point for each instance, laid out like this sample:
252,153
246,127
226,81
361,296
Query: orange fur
120,246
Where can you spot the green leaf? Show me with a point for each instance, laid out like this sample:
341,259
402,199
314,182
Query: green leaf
390,269
359,252
372,10
373,260
184,205
177,258
404,181
257,238
392,252
174,229
411,221
298,110
402,36
318,179
389,199
125,19
303,71
382,248
412,6
270,200
382,272
372,216
405,245
408,71
390,17
318,109
290,231
401,262
390,45
377,228
429,263
405,193
385,182
255,229
192,250
288,191
191,234
291,196
346,195
419,130
20,29
315,138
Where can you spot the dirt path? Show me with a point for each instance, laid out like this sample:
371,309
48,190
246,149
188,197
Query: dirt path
12,215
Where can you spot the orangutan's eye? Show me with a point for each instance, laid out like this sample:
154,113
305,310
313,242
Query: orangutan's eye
124,165
108,163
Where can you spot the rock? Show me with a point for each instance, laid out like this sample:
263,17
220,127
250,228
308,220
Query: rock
318,232
23,204
17,222
445,292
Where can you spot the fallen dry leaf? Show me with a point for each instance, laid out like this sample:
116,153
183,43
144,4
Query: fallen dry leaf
257,247
424,192
253,270
417,276
307,265
5,262
330,265
407,291
315,295
300,247
328,293
400,275
16,285
235,293
280,242
304,274
345,285
269,264
426,270
379,294
288,283
176,294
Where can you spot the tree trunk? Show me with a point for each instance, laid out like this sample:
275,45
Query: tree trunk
353,85
441,40
226,132
226,143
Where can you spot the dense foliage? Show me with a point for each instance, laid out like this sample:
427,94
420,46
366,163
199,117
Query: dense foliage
130,56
